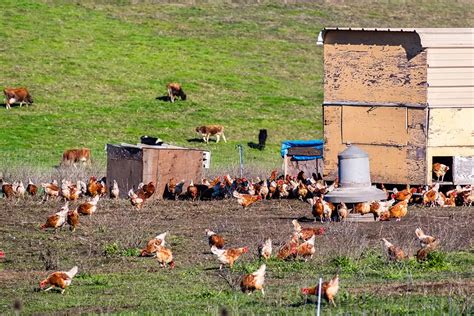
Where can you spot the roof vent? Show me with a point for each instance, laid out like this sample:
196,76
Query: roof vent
354,178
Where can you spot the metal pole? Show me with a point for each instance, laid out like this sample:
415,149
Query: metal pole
241,156
318,310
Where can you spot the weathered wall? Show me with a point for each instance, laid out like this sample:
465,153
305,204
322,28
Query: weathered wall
125,166
385,67
394,138
163,164
451,127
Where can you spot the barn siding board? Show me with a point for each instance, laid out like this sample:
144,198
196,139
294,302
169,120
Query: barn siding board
376,67
450,57
451,96
450,77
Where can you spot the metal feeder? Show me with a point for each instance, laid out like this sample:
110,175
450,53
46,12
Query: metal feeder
354,179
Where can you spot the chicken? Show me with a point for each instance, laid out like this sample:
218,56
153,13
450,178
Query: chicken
306,249
148,190
215,239
50,190
57,220
440,170
73,219
423,252
70,192
403,195
342,211
424,239
164,256
272,189
302,190
265,249
397,211
135,199
114,191
289,250
254,281
307,232
60,279
228,256
264,191
93,187
7,190
31,188
321,209
377,208
362,208
246,199
393,253
88,208
431,196
329,290
19,189
153,244
192,191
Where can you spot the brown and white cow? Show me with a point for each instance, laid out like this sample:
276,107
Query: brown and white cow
174,91
72,156
211,130
14,95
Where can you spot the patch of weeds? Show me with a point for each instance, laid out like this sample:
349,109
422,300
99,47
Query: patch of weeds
111,250
344,263
436,261
93,279
131,252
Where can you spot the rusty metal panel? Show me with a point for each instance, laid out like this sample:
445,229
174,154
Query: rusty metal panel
124,164
374,125
451,127
451,96
463,170
450,57
374,67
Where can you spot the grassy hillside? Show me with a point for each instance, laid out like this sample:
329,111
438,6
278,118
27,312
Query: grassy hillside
94,71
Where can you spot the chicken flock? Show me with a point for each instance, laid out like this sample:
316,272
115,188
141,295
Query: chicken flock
299,246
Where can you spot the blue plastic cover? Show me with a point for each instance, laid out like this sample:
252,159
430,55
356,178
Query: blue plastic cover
315,143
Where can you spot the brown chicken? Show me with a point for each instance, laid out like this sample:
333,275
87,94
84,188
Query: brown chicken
302,190
422,253
424,239
246,199
164,256
397,211
57,220
192,191
148,190
51,190
31,188
431,196
72,219
254,281
93,187
152,245
321,209
228,256
306,250
88,208
136,201
7,190
60,279
215,239
393,253
362,208
329,290
403,195
307,232
440,170
290,249
342,211
265,249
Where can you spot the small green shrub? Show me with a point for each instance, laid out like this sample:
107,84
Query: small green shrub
111,250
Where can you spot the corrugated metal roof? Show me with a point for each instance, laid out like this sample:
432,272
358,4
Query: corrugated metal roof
430,37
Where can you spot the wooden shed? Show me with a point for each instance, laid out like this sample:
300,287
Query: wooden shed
302,155
129,165
406,96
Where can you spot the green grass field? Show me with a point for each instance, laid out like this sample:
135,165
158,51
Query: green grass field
94,71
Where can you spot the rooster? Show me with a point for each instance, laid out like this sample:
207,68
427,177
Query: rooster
394,253
31,188
440,170
60,279
307,232
152,245
265,249
57,220
114,191
164,256
329,290
254,281
246,199
228,256
306,249
135,199
215,239
290,249
397,211
50,189
88,208
73,219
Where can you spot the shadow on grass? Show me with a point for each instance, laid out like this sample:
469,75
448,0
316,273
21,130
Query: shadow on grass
164,98
195,140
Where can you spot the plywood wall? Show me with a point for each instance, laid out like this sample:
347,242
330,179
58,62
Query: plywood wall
385,67
124,165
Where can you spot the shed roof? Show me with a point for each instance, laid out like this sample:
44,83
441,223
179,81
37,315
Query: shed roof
430,37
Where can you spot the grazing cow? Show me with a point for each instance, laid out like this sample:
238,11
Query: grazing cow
71,156
175,91
211,130
14,95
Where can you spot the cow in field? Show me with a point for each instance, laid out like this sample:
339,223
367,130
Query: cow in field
72,156
174,91
17,95
210,130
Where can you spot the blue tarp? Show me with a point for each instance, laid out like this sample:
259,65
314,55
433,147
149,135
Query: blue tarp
314,143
